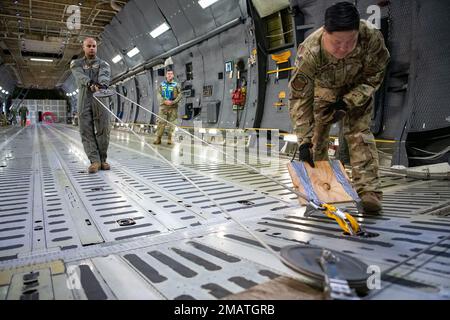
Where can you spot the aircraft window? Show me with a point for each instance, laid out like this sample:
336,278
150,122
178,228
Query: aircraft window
161,72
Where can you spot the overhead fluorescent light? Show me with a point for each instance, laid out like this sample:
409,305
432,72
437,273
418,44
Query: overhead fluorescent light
6,92
1,88
77,90
3,91
133,52
160,30
117,58
206,3
41,59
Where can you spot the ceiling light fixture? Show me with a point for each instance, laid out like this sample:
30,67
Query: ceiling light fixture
160,30
206,3
117,58
133,52
41,59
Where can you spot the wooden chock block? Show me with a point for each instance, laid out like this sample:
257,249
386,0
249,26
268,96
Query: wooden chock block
323,180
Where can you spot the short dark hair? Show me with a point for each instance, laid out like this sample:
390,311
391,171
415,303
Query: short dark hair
342,16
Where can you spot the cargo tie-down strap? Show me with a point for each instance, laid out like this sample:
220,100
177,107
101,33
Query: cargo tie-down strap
344,219
343,180
340,176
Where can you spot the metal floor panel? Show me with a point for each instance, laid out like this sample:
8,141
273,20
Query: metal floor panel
181,245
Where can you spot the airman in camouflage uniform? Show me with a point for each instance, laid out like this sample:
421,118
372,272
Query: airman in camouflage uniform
92,74
23,111
169,94
327,87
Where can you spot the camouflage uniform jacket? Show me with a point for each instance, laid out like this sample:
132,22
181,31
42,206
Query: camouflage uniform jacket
169,91
357,76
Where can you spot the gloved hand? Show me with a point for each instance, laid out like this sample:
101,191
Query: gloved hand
336,110
91,85
305,154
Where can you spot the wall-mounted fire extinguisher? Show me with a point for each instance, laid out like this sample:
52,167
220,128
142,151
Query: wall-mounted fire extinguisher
239,94
238,97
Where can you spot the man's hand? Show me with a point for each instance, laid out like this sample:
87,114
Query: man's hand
305,153
91,86
336,110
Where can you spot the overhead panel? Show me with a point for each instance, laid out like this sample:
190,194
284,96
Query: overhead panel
266,8
152,13
224,11
139,24
107,51
120,34
181,26
200,19
41,46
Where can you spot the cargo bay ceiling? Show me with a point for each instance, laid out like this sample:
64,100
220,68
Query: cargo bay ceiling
188,22
35,39
38,29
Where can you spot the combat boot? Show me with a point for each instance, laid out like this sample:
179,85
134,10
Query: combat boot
93,168
169,139
371,202
105,166
157,141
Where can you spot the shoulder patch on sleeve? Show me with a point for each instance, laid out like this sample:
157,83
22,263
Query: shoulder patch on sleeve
300,81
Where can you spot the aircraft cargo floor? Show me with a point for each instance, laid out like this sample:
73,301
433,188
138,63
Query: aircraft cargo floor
142,231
